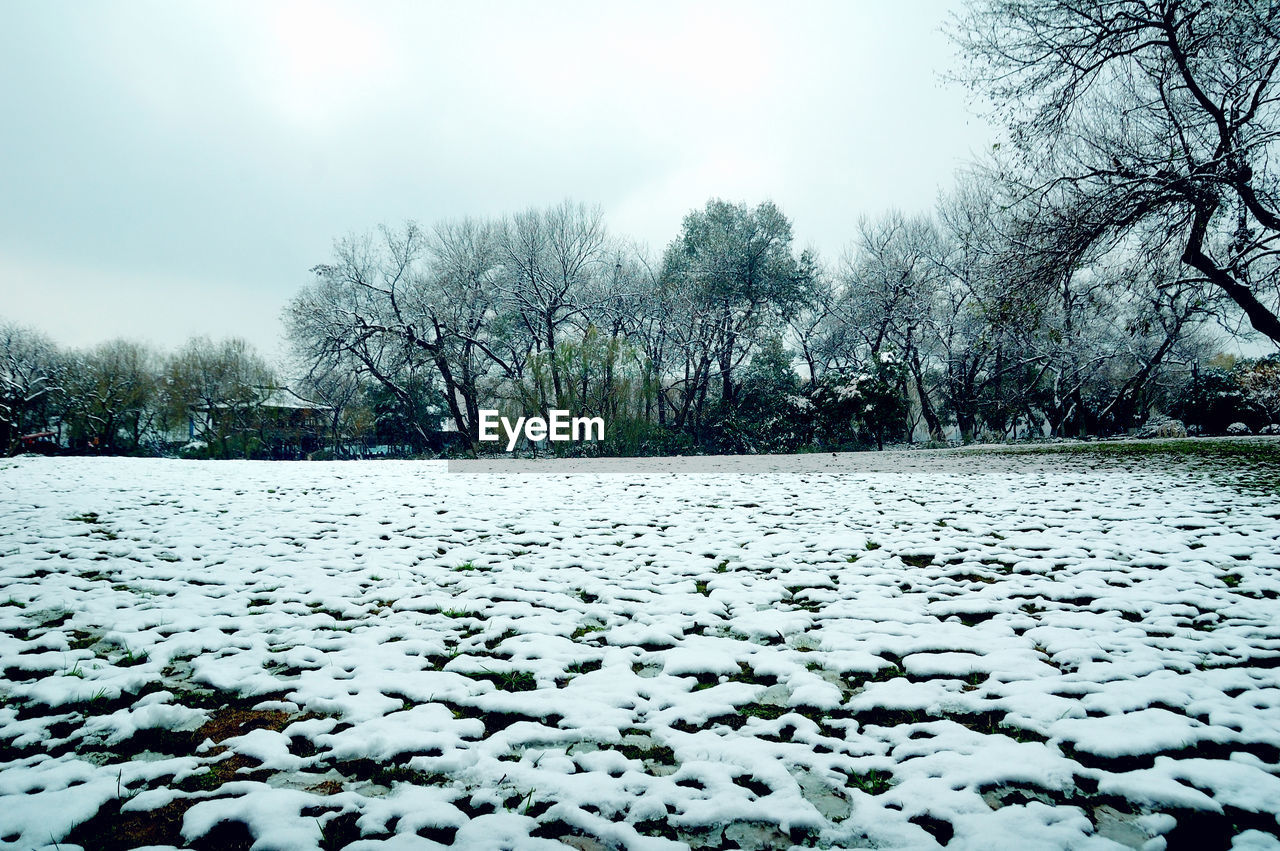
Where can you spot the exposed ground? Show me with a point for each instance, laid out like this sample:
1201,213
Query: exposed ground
981,649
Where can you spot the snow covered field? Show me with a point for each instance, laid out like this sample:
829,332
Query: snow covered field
977,650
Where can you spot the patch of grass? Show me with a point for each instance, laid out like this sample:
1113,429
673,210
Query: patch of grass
757,787
1249,465
509,680
917,561
873,545
339,831
110,829
660,754
389,774
492,643
584,667
81,640
1267,451
746,674
321,609
974,618
656,827
873,782
233,721
455,613
585,630
1231,580
466,566
55,618
940,830
87,517
885,674
881,717
768,712
220,772
523,803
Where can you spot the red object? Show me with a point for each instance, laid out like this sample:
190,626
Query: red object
44,442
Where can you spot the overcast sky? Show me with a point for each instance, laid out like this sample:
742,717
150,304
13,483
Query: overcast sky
175,168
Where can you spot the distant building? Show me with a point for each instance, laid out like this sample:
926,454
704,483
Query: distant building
277,424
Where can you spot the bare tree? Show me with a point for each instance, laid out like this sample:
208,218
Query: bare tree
372,303
805,327
1152,114
551,258
112,396
463,293
338,383
889,281
1051,321
1155,315
32,374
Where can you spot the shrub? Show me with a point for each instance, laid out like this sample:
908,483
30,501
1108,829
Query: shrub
1211,401
195,449
1159,426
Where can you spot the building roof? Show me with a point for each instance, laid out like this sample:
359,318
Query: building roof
281,398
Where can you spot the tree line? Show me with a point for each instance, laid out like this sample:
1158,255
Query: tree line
731,341
933,328
123,398
1076,281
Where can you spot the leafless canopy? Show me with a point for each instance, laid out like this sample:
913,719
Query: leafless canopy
1155,117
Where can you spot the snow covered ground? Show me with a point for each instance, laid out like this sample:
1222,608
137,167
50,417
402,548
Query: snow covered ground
977,650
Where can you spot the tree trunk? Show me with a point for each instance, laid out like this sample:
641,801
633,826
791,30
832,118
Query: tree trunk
926,407
1262,319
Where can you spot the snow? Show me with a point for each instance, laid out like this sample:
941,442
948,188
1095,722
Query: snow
1031,650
